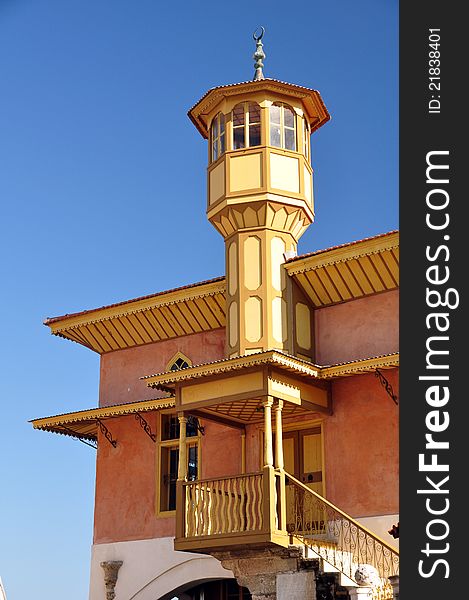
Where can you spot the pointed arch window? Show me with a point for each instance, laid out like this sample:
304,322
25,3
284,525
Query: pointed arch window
178,361
282,126
217,136
246,124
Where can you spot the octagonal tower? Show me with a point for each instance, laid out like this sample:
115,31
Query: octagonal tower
259,196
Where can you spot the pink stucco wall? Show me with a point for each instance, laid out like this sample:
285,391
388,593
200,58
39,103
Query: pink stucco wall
361,446
121,370
357,329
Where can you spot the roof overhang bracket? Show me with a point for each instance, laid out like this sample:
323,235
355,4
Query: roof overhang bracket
387,386
89,442
145,426
107,434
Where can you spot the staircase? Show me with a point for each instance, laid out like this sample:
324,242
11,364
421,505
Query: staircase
341,544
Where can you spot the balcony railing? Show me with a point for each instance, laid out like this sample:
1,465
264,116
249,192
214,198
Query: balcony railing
259,508
230,510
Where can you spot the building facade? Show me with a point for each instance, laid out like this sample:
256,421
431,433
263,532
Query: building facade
247,427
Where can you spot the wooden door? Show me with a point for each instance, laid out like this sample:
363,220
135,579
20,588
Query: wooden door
302,452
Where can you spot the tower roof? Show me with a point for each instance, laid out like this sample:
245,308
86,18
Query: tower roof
311,99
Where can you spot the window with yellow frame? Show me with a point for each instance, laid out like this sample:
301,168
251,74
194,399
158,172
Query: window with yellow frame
168,459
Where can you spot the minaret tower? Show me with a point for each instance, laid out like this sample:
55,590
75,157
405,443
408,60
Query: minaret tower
260,196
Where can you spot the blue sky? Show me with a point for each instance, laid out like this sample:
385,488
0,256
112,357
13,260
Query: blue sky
94,210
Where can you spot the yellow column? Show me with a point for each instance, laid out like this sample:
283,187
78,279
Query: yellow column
279,464
182,466
243,452
268,454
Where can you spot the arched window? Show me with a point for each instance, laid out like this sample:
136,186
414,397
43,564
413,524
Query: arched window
282,126
179,361
217,135
246,123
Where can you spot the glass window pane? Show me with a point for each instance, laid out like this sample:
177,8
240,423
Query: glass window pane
169,470
290,142
238,138
254,113
222,143
255,135
214,151
238,115
215,128
275,114
192,463
288,117
222,123
275,135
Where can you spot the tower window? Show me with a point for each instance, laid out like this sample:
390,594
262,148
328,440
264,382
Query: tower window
217,135
246,122
282,126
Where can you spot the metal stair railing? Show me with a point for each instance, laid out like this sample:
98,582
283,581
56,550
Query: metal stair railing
337,538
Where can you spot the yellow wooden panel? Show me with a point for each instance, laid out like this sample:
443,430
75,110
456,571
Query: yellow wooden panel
308,288
171,320
371,273
339,283
277,249
303,325
284,391
152,316
207,313
252,262
179,316
383,271
137,325
216,310
189,317
229,386
349,279
289,455
284,173
389,259
194,308
312,454
308,185
121,328
233,329
250,217
280,219
245,172
217,182
318,287
328,284
232,268
359,275
253,319
94,330
279,319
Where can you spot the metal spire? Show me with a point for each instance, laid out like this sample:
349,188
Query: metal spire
258,56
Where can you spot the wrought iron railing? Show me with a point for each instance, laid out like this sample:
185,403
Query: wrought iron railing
223,506
337,538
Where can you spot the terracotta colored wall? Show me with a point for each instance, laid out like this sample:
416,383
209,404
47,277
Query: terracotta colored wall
357,329
121,370
125,485
361,446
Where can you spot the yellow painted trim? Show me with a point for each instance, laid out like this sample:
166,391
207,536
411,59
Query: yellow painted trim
101,413
277,359
345,253
165,299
